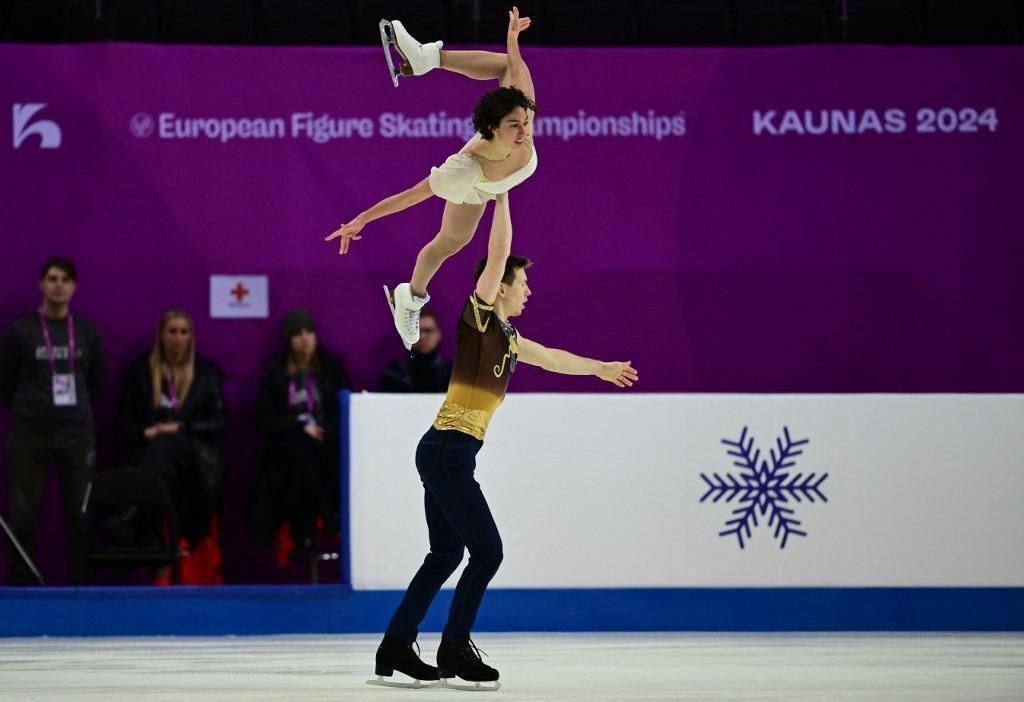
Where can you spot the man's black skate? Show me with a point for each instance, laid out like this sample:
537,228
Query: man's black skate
463,660
393,655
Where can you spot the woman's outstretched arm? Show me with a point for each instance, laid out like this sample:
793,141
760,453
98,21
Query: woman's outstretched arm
396,203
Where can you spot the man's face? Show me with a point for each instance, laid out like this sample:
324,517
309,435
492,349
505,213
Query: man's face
514,296
430,335
57,286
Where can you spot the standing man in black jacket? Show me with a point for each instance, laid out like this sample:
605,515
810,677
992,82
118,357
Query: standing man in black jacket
52,368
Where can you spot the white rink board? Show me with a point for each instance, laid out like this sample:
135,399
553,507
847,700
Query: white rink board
604,490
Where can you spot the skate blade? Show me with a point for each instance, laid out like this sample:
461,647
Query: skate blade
387,39
492,686
414,685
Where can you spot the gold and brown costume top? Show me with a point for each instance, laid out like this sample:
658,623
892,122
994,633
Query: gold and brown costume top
485,356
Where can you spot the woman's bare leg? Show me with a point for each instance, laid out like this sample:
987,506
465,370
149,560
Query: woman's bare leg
479,65
458,224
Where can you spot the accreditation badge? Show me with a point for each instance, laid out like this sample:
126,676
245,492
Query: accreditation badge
64,390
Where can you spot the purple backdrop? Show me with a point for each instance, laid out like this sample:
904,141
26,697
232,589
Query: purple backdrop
810,219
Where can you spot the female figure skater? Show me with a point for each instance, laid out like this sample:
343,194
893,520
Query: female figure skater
499,157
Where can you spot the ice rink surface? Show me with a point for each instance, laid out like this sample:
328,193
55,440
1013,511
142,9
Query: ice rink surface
534,667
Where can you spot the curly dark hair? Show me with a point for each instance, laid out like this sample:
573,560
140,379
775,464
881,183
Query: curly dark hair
495,106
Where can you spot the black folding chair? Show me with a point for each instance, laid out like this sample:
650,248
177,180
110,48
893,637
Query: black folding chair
132,521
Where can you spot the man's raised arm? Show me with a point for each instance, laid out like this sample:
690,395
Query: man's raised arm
499,246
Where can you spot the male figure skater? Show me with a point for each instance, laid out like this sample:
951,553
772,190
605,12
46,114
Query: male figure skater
487,350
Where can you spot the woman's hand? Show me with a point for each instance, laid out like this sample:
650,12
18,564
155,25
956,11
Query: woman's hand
161,428
516,24
348,232
618,373
517,75
315,431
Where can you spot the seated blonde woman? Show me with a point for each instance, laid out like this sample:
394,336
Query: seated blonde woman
172,421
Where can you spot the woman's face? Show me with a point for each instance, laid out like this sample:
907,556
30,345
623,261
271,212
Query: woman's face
511,130
176,339
304,344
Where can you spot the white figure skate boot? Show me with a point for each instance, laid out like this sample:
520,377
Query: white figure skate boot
417,58
405,308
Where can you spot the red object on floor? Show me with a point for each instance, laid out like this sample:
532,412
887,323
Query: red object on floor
202,565
283,544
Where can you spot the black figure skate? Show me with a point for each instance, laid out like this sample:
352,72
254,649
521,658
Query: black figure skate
464,661
393,655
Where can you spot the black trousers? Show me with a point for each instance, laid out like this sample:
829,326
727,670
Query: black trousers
310,483
173,457
29,458
458,518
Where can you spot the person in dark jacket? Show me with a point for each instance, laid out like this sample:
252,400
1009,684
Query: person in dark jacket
172,421
52,369
423,369
297,414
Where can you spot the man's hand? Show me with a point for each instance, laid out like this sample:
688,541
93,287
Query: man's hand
348,232
619,373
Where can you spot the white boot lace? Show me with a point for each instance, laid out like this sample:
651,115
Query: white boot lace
411,321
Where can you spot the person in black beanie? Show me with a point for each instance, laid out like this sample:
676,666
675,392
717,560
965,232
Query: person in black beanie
424,369
52,369
297,414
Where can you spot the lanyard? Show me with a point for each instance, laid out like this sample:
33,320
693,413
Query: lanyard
309,394
170,391
50,355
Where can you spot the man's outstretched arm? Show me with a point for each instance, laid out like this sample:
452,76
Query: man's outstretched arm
619,373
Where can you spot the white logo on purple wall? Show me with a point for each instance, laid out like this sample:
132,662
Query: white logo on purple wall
46,129
141,125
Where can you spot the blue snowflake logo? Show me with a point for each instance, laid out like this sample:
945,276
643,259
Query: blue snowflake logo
767,489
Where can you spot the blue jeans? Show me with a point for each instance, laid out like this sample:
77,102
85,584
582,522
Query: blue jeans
457,518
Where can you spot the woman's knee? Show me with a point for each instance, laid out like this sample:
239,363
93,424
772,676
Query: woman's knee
451,242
